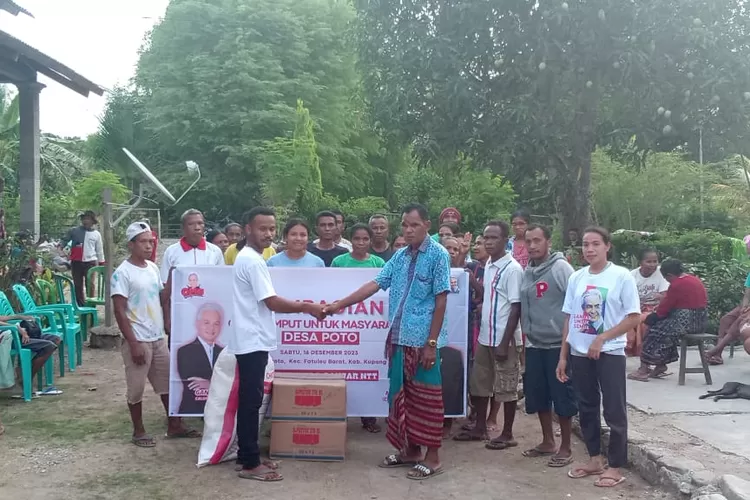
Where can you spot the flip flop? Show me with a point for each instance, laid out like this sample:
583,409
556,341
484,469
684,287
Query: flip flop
420,472
143,441
469,436
395,461
271,464
372,427
270,476
557,462
50,391
579,473
536,453
498,444
660,375
715,361
612,482
185,434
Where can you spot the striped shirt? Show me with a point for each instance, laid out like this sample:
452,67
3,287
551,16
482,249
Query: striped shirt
502,287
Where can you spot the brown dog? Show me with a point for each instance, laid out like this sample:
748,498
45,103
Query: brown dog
731,390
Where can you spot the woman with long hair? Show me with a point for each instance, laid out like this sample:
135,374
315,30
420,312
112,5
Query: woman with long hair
601,306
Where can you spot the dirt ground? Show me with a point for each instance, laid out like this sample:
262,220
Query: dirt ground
76,446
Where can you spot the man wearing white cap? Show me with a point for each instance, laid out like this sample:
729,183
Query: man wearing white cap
140,316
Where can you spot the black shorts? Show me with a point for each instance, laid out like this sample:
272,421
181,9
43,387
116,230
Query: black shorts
540,385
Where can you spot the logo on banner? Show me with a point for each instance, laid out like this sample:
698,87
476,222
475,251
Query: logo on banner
193,288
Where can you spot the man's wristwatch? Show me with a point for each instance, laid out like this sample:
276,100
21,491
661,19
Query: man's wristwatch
432,343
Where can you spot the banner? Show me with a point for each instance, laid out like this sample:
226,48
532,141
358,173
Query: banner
350,342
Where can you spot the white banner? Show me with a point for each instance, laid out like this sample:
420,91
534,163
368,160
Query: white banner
351,342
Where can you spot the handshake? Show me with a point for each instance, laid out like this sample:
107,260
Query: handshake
321,311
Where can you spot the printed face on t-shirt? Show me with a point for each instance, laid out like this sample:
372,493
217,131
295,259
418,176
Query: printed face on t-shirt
193,281
593,305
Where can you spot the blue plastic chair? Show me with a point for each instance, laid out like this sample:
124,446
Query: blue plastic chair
69,329
6,309
24,361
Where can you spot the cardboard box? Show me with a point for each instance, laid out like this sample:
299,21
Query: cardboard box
309,396
318,441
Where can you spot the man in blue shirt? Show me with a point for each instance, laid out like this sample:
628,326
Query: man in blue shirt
418,281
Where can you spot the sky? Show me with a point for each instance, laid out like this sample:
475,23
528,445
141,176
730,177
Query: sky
98,39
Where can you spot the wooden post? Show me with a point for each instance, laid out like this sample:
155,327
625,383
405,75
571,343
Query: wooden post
109,253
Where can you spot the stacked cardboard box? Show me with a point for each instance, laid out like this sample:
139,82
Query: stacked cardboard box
308,417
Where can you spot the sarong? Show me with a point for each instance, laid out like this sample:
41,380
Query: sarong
415,399
660,345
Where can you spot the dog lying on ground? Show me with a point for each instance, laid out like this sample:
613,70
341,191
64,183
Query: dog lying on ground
731,390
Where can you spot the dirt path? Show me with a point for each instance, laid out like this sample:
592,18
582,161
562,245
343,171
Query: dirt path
75,446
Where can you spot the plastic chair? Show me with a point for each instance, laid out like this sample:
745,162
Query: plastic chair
68,327
6,309
81,313
96,286
45,291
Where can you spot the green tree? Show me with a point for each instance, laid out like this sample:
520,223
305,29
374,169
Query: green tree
89,190
531,90
221,78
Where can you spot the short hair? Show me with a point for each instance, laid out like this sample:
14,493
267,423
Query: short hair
544,229
593,293
336,211
189,212
231,225
378,216
416,207
254,212
523,214
292,223
452,226
502,225
600,231
212,234
672,266
643,252
324,213
361,227
211,307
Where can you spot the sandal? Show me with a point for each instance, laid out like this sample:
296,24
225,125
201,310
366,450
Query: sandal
420,472
185,434
715,360
536,453
268,463
395,461
269,476
556,462
500,444
143,441
581,472
371,427
611,482
659,373
467,436
639,376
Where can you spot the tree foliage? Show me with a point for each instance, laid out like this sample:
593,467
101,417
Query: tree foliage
530,89
89,190
220,81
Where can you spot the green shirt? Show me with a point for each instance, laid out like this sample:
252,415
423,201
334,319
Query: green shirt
347,260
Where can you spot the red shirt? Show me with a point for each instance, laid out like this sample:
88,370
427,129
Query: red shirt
685,292
156,244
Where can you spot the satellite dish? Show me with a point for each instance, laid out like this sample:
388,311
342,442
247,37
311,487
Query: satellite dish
151,177
191,166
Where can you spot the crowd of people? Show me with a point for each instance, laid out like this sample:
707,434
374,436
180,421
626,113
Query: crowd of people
533,317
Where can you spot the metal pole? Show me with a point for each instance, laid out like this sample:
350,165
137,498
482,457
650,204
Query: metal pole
700,161
158,222
109,254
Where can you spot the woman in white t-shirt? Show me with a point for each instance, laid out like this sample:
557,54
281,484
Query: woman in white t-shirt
651,289
601,306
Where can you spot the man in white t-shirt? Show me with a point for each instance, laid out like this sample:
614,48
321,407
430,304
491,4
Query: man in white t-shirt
497,368
254,336
191,250
139,313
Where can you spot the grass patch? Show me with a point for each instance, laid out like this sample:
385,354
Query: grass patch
125,486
